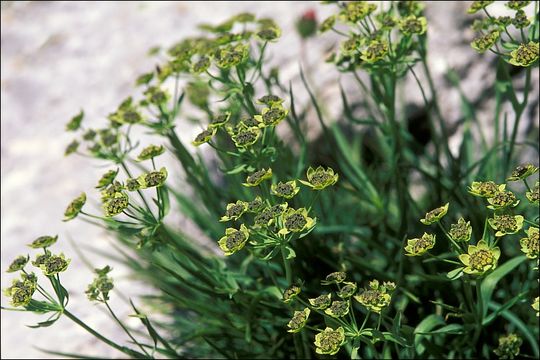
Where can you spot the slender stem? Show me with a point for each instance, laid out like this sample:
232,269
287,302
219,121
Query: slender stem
96,334
126,169
123,327
288,272
365,321
526,184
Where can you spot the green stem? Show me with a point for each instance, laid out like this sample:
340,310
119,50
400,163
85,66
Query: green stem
288,272
123,327
365,321
98,335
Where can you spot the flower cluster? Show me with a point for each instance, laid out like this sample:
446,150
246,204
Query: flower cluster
508,346
523,52
376,38
101,286
376,296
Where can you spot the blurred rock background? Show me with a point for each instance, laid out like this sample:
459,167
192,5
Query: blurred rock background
59,57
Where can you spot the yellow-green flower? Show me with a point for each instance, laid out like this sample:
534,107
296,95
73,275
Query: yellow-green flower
234,240
40,258
205,136
534,194
75,122
376,297
356,11
234,211
101,285
483,188
435,215
231,55
529,244
520,20
525,55
508,346
271,116
246,137
116,204
334,278
75,207
320,178
298,320
327,24
536,305
480,258
286,190
506,224
522,171
485,42
290,293
338,309
219,120
255,205
321,302
419,246
107,179
71,148
413,25
153,178
516,4
132,184
461,231
267,216
348,290
257,177
328,341
270,100
54,264
21,291
269,33
478,5
110,190
502,199
150,152
201,65
296,221
18,264
43,242
375,51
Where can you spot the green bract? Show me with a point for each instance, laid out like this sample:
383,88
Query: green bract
529,244
483,188
321,302
525,55
320,178
461,232
413,25
18,264
153,178
419,246
376,297
235,210
234,240
285,190
204,136
435,215
296,221
150,152
54,264
522,172
338,309
506,224
75,207
107,179
480,258
257,177
502,199
43,242
290,293
298,320
329,341
485,42
116,204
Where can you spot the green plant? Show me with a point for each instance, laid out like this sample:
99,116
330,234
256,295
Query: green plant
287,211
